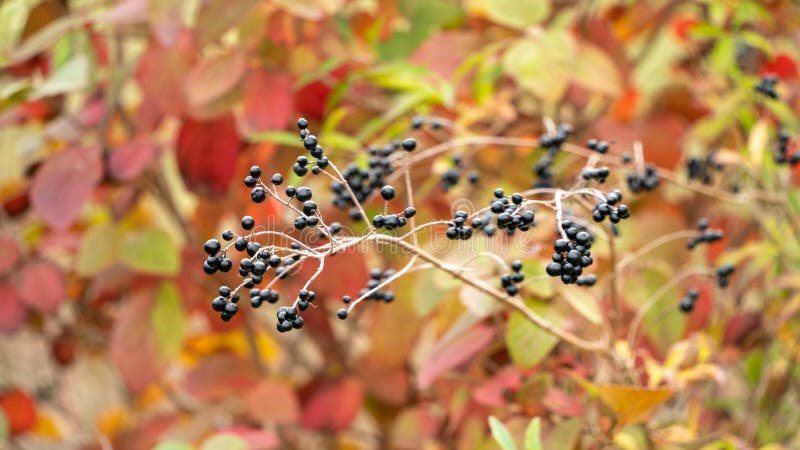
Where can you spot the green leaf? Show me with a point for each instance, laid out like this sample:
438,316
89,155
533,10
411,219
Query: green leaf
278,137
533,438
542,65
4,429
150,251
527,343
564,436
516,13
583,302
167,319
70,77
47,37
501,435
98,250
173,445
225,441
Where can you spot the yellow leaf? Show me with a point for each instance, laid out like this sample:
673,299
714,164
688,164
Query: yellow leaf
632,404
757,142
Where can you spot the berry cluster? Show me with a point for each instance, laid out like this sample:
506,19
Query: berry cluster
723,273
598,146
647,182
417,122
701,169
363,182
310,143
572,255
688,301
596,174
781,155
766,86
510,215
393,221
376,276
226,303
707,235
216,260
288,319
457,228
543,167
608,208
510,280
452,175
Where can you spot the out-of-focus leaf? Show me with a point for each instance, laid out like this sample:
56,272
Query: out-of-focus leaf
527,343
72,76
583,302
533,438
207,152
215,18
130,159
19,408
479,304
268,102
125,12
64,184
165,18
150,250
757,142
632,404
333,406
213,77
42,286
46,37
272,402
425,17
501,434
11,254
494,391
516,14
162,71
542,64
133,344
596,71
448,355
279,137
173,445
564,436
221,375
99,249
225,441
167,319
12,313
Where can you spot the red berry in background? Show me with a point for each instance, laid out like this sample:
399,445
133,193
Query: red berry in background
19,409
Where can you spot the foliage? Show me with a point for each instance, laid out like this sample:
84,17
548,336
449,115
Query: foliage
126,128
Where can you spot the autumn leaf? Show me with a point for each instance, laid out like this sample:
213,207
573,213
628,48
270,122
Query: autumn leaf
207,152
632,404
42,286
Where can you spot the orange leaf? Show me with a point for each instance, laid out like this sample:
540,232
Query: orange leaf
632,404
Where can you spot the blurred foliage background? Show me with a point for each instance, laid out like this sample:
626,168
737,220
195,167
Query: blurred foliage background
126,128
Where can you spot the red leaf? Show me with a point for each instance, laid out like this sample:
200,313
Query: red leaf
207,152
268,103
219,376
130,159
11,254
214,77
12,313
42,286
162,70
256,439
493,392
333,406
133,344
453,353
781,65
64,184
446,51
563,404
19,409
272,402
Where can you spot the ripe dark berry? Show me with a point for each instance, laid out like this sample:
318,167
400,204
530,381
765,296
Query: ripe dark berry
300,223
299,170
553,269
317,152
687,305
218,304
409,212
417,122
387,192
240,244
516,265
409,144
291,191
250,181
227,235
255,172
297,323
277,179
346,299
208,268
274,261
498,193
302,123
255,302
248,222
310,142
225,265
231,308
212,246
224,291
303,194
516,198
258,194
341,313
309,207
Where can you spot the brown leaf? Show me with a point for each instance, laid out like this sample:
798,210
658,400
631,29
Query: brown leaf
64,184
42,286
